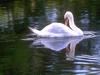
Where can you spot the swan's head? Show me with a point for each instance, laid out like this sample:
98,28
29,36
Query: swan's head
68,17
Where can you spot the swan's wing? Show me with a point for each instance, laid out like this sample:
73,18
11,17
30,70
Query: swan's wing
56,28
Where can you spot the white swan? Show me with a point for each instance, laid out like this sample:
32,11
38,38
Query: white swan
59,29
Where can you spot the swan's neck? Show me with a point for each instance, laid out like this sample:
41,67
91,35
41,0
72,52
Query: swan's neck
74,27
72,24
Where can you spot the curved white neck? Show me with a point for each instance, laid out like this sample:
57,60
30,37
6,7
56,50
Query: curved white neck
74,27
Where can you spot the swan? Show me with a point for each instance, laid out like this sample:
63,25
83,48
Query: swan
59,29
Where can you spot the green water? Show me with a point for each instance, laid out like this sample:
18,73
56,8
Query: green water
19,57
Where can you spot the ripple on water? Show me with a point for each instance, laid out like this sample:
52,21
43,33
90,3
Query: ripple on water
87,64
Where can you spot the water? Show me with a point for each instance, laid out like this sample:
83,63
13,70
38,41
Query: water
48,56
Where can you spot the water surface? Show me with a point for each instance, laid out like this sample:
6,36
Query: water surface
57,56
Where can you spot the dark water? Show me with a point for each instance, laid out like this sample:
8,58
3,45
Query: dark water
56,56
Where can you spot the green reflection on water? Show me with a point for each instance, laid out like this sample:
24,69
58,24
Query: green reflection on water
14,58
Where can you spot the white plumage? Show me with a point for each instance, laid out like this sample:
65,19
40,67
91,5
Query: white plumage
59,29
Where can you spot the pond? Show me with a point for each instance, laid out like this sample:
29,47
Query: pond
21,54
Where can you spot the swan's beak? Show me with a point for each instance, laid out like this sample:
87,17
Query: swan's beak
66,22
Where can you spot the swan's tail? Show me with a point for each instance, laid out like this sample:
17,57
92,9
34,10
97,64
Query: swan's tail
42,33
37,32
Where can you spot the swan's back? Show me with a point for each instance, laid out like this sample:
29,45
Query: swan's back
56,28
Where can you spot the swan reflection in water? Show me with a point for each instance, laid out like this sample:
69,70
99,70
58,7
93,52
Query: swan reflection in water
57,44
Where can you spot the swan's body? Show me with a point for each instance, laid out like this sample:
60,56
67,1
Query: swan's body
55,30
59,29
